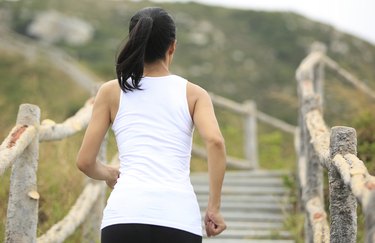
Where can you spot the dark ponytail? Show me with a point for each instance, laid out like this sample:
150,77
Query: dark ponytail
151,31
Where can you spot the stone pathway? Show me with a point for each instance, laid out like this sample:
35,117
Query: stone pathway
254,205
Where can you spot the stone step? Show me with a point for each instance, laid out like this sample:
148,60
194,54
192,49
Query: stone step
253,173
243,181
253,234
253,205
247,207
244,174
240,175
253,225
252,216
203,189
247,198
219,240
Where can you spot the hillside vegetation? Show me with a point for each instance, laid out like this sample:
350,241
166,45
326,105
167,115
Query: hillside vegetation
240,54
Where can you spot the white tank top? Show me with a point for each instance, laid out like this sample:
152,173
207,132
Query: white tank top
153,130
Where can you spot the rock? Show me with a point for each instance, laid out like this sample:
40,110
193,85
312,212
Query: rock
52,26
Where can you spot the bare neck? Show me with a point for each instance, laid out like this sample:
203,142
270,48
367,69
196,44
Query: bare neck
156,69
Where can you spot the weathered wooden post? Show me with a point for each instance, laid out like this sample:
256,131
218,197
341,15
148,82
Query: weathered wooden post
313,169
251,136
22,214
301,164
318,71
343,204
309,164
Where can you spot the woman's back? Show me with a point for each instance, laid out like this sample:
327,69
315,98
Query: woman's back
153,130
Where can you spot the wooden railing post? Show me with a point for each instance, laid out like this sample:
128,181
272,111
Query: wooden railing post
22,213
318,71
313,171
301,164
251,136
343,204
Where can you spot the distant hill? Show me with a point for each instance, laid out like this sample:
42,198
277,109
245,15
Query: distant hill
240,54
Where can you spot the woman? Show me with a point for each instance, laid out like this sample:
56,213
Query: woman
152,114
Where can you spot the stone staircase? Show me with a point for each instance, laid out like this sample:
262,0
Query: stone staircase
254,205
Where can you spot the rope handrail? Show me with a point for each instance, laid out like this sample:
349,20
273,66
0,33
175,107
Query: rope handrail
334,150
228,104
231,161
275,122
50,131
360,85
355,174
76,215
242,109
60,231
317,216
305,71
21,135
319,135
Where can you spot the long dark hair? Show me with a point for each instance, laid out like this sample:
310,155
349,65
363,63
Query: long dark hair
151,32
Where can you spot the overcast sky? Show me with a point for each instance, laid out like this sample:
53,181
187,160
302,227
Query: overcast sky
356,17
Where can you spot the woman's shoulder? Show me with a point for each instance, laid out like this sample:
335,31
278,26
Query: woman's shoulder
108,90
109,85
195,93
196,89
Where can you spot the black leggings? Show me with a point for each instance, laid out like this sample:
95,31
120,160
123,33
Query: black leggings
145,233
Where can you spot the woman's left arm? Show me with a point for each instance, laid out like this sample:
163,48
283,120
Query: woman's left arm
95,132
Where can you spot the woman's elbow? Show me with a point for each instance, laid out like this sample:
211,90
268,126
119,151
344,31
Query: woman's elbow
217,142
82,164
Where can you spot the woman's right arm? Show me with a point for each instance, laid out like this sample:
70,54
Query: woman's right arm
94,135
205,121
